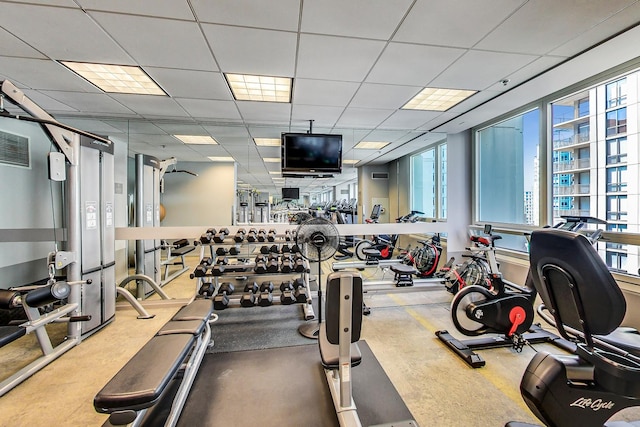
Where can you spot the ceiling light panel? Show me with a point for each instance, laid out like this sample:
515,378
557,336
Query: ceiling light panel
116,78
371,145
267,142
259,88
196,139
435,99
349,161
271,159
221,159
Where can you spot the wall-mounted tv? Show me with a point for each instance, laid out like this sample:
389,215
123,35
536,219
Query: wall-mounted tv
311,153
290,193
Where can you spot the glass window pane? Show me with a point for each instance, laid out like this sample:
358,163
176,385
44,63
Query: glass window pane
423,182
507,177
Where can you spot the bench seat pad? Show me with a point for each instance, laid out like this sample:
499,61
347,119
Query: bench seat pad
198,310
140,382
182,251
330,353
193,327
403,269
10,333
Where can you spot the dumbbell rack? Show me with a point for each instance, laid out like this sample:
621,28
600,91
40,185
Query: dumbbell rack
249,251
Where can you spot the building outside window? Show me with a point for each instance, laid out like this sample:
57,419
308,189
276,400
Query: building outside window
429,182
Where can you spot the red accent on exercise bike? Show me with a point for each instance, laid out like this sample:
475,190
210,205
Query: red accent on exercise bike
517,316
435,263
385,252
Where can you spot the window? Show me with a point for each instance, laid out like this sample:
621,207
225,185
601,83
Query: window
616,121
507,170
616,93
429,182
583,107
617,179
616,208
617,260
616,150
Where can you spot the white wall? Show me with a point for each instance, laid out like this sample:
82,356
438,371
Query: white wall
459,191
372,191
205,200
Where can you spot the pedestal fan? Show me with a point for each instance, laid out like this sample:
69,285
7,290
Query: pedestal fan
318,240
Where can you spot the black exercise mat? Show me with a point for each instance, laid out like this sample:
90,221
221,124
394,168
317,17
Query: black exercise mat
255,328
284,387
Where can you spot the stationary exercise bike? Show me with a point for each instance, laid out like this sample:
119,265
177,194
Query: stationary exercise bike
602,375
382,246
504,308
425,258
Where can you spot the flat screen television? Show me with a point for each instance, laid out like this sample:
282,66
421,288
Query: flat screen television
290,193
311,153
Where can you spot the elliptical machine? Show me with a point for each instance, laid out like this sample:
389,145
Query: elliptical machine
506,309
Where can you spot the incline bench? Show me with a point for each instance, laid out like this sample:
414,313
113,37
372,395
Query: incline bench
175,250
175,352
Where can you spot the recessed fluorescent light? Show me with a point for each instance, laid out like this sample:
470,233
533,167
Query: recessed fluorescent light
435,99
196,139
221,159
267,142
349,161
371,145
116,78
259,88
274,172
271,159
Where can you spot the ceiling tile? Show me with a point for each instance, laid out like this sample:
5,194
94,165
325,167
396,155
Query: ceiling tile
176,128
336,58
410,64
97,127
376,19
89,102
165,8
553,23
525,73
13,46
231,131
150,105
363,117
456,23
43,74
210,109
282,15
78,38
407,119
322,115
47,103
136,127
65,3
323,92
477,70
263,112
190,83
161,44
371,95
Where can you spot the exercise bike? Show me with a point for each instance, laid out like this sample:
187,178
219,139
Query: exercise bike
503,308
382,246
425,258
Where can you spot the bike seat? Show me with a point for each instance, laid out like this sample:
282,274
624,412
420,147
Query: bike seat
403,269
371,252
486,240
625,338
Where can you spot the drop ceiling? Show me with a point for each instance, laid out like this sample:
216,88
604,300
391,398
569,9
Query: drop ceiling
354,64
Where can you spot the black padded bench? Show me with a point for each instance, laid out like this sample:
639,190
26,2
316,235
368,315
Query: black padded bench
403,274
143,381
177,249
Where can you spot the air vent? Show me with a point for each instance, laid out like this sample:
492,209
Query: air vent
14,150
379,175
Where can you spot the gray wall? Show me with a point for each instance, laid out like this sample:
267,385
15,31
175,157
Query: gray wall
459,191
205,200
372,191
29,201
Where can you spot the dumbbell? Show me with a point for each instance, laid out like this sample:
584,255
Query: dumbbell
261,264
272,263
287,235
300,290
287,296
221,251
234,250
221,301
298,263
239,237
248,298
221,235
219,267
264,249
295,248
287,264
271,235
262,235
201,269
274,249
266,294
251,236
207,289
205,238
285,248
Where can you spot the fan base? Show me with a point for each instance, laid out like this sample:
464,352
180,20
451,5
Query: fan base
310,330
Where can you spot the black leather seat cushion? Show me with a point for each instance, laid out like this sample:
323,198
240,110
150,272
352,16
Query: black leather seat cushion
10,333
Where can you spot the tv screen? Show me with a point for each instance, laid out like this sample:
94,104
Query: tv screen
290,193
311,153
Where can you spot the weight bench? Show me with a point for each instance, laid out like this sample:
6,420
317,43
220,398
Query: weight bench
174,353
176,250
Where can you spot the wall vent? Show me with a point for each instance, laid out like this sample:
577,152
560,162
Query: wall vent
14,150
379,175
